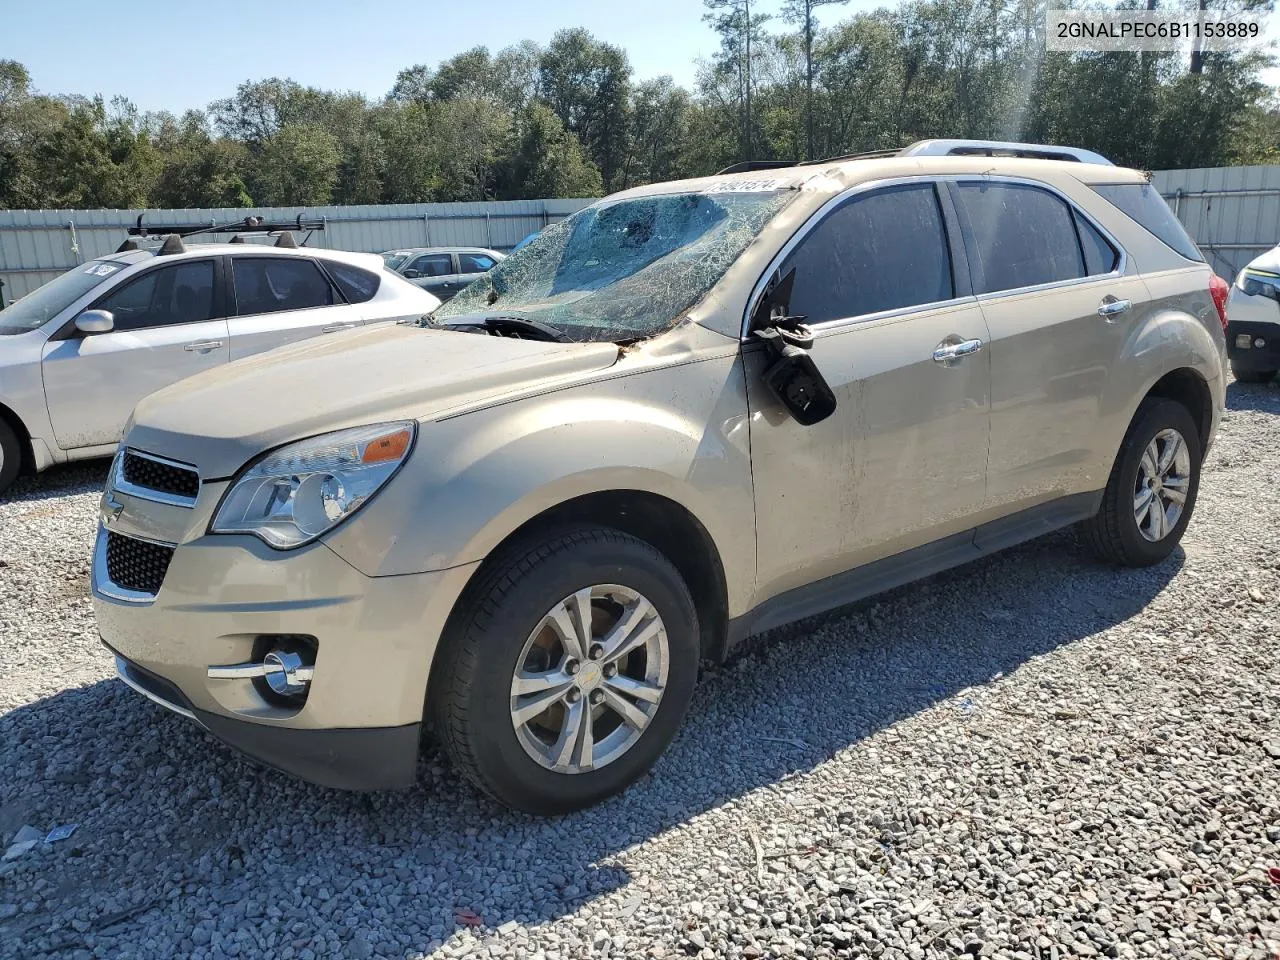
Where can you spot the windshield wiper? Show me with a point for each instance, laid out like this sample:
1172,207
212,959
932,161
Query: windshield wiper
499,325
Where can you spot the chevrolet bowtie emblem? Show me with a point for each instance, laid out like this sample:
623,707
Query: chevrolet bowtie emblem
111,510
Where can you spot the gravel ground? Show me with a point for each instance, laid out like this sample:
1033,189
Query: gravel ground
1031,757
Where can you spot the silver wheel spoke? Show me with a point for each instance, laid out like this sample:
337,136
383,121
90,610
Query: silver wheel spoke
1172,444
1175,493
1141,502
1157,518
618,645
567,743
527,683
563,623
1147,465
536,706
628,711
635,689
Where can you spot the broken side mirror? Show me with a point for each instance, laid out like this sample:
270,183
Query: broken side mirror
793,377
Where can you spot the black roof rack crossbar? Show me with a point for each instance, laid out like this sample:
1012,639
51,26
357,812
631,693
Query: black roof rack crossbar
247,225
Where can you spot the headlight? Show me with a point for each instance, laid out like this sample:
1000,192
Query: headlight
305,489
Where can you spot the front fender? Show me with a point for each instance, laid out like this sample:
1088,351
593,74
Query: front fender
679,432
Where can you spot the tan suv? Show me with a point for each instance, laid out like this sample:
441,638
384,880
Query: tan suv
691,412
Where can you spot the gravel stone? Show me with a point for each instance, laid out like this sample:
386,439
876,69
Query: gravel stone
1032,757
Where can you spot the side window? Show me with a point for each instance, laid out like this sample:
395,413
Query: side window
182,293
1022,236
1142,203
356,285
881,251
1099,255
474,263
433,265
269,284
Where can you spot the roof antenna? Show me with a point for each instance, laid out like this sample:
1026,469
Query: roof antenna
127,246
286,240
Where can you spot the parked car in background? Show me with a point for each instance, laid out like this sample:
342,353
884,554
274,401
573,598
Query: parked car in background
78,353
443,271
688,413
1253,320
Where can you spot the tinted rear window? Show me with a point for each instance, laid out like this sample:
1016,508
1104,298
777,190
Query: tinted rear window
1143,204
1022,236
356,285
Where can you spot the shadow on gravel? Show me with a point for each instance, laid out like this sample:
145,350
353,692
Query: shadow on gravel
89,476
174,826
1254,396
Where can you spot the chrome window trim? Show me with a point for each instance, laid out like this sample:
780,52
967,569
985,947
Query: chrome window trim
120,485
839,199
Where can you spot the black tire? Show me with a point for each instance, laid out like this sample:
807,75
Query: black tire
1253,376
469,698
10,456
1113,534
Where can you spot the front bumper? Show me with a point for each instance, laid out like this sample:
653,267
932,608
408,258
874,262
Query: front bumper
375,640
1256,317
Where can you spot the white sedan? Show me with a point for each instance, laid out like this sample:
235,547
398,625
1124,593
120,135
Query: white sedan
77,354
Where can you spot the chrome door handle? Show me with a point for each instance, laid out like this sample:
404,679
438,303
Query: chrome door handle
947,352
203,346
1111,307
334,327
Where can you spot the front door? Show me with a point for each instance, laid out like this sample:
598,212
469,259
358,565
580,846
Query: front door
902,461
168,326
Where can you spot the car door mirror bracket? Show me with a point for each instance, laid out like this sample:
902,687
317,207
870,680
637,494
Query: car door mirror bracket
793,377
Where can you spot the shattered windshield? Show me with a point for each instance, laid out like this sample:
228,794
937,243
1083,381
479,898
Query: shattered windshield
623,270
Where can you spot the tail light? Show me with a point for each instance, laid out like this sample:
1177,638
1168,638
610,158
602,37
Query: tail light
1219,289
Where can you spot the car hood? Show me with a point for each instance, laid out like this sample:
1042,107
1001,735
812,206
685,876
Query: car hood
220,419
1269,262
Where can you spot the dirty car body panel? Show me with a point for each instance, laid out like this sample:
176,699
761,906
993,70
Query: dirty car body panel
638,374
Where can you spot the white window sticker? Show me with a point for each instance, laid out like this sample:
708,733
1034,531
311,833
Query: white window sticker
767,185
102,269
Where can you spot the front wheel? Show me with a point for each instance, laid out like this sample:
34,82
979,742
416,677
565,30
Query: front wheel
568,671
1252,376
1152,489
10,456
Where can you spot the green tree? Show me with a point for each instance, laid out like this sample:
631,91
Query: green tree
298,166
546,160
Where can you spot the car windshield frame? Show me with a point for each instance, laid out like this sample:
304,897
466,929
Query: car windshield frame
48,300
624,270
395,259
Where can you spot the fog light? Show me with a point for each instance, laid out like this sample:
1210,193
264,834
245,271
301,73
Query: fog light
1259,343
1244,341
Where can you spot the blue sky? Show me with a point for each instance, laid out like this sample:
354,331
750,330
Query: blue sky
182,54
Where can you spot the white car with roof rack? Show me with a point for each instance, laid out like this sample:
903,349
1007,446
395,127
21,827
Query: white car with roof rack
77,354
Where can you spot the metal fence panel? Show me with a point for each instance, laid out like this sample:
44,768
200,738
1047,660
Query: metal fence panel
38,245
1232,213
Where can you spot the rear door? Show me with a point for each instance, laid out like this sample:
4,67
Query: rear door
902,461
1059,307
169,324
280,300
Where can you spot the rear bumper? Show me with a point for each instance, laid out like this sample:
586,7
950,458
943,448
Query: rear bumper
372,758
1254,357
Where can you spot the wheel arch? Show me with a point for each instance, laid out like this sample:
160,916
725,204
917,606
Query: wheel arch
663,523
10,417
1187,386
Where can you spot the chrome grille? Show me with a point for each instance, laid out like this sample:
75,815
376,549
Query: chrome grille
163,476
136,564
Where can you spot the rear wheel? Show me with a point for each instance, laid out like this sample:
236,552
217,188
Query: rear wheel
1252,376
568,673
1152,489
10,456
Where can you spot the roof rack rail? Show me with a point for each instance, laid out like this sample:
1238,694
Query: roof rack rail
746,166
1001,148
247,225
